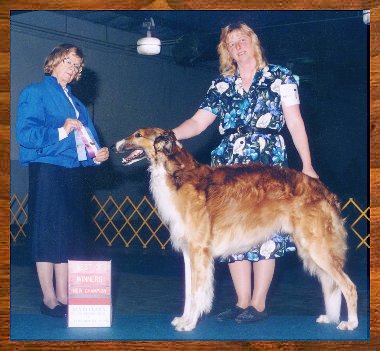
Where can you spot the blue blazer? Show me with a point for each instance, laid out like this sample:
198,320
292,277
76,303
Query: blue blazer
43,108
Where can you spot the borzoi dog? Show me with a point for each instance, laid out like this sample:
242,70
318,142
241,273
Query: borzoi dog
219,211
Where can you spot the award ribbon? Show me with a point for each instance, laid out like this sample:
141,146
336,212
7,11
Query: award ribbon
85,142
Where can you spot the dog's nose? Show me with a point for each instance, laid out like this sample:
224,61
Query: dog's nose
113,148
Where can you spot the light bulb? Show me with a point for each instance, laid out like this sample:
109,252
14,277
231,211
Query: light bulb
148,46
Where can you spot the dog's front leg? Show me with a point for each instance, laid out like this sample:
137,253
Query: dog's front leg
199,291
186,310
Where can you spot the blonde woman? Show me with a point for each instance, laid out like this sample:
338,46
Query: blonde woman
57,141
252,101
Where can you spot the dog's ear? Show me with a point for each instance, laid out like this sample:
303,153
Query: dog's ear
170,134
168,140
168,147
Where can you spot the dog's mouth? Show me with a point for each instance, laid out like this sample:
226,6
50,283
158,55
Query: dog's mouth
135,156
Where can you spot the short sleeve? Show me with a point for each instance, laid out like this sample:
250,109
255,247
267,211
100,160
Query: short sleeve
289,89
212,100
289,94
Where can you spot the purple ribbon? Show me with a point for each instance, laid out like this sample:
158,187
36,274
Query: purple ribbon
88,142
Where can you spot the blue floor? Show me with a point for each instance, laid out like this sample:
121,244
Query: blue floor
157,327
147,293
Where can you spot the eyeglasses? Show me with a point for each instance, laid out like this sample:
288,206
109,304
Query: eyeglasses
67,61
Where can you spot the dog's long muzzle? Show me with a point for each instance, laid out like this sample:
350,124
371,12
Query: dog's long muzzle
134,154
118,146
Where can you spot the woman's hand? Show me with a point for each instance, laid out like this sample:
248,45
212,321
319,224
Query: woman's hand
102,155
71,124
310,172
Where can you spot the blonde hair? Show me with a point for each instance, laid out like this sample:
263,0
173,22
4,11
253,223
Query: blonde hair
227,66
59,53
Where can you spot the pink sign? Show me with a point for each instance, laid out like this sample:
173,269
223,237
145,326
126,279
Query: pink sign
89,295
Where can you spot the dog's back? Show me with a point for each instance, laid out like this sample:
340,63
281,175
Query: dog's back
241,199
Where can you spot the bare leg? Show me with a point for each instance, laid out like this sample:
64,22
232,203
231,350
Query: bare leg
60,270
45,273
263,273
241,272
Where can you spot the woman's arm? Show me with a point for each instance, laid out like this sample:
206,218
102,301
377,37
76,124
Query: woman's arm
194,125
31,129
297,130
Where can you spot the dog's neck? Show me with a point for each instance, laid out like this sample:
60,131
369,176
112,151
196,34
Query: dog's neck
179,160
175,164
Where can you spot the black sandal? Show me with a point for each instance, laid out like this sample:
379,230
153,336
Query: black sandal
230,314
251,315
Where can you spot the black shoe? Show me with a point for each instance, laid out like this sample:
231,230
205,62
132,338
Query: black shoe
230,314
58,311
251,315
64,305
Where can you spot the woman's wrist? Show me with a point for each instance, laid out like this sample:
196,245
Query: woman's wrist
309,170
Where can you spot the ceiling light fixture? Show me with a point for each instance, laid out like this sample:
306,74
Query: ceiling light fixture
149,45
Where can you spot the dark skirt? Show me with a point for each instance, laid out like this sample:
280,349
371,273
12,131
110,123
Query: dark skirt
58,212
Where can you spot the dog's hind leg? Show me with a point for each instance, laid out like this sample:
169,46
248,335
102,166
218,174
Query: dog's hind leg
351,296
320,237
333,268
201,294
333,299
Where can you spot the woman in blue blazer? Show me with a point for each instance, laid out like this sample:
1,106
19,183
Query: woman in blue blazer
57,141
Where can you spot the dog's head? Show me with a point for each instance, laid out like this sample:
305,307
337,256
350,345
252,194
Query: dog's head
150,143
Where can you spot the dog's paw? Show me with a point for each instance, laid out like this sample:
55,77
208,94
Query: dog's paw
349,325
176,321
323,318
186,326
183,324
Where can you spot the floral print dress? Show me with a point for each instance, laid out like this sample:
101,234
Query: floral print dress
260,107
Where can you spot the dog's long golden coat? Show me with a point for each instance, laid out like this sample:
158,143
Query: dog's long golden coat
218,211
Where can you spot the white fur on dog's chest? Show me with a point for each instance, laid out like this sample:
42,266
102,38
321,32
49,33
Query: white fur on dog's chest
165,204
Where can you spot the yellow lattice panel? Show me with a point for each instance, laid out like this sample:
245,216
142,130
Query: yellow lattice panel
139,223
362,214
19,216
127,221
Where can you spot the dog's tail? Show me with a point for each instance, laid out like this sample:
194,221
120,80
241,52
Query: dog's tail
322,244
320,192
333,200
321,231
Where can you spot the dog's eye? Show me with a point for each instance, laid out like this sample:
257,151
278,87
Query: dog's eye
137,135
